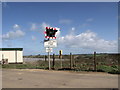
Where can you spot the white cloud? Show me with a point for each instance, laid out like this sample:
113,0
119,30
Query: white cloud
16,26
13,34
73,28
65,21
16,33
34,38
41,28
44,25
33,27
58,32
88,40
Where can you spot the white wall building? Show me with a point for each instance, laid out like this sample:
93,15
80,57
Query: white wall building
12,55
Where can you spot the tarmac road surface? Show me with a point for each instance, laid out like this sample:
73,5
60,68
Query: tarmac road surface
36,78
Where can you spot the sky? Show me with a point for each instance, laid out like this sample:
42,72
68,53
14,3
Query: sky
85,27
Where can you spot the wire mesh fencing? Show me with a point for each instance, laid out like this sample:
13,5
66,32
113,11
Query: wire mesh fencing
78,62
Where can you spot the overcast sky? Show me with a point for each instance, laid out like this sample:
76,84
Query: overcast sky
84,27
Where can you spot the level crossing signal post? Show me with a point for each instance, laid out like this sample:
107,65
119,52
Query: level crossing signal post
50,40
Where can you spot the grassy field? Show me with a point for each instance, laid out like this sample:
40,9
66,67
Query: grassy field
84,62
114,69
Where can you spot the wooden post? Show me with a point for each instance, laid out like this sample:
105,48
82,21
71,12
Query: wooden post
60,56
61,60
94,61
70,60
53,61
45,58
73,62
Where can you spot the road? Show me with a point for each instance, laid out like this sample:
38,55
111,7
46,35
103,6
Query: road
34,78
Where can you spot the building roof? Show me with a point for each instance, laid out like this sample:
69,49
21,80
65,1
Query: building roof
11,49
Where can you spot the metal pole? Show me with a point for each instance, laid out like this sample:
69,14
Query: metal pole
53,61
49,59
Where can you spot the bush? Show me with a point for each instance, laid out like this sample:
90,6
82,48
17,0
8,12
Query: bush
110,69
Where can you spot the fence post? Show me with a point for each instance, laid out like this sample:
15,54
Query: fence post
94,61
61,60
74,62
49,60
53,61
70,60
60,57
45,58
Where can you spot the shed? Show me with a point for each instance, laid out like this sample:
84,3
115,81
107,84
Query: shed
11,55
